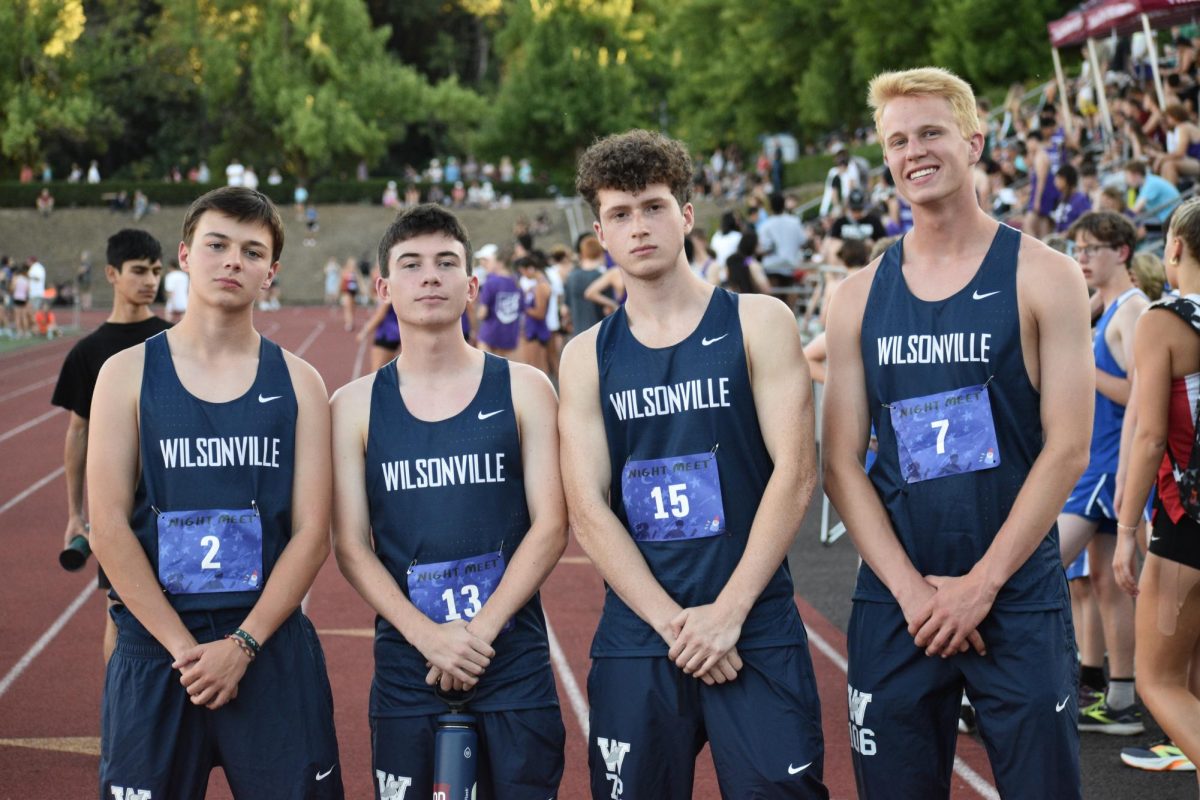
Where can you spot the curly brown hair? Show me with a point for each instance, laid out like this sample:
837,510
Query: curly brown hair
631,161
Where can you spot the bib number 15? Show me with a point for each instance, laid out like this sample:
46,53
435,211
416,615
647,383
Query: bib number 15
678,500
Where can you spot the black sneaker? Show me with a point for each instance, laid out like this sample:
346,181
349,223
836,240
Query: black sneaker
1099,717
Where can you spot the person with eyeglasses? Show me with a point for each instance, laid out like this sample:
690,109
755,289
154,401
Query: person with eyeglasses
1104,244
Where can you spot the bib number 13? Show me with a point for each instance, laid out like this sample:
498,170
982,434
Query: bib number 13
471,592
678,500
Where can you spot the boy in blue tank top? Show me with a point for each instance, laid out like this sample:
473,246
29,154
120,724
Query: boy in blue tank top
966,345
209,485
688,461
448,516
1104,243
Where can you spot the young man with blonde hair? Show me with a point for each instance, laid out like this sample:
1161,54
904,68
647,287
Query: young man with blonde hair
688,462
966,345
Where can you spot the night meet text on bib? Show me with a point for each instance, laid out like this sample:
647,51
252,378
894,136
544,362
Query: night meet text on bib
945,434
218,550
673,498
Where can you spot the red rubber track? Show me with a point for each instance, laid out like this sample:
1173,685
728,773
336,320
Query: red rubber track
51,627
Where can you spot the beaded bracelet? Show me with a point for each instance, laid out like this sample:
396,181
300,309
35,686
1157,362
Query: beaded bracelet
249,640
245,648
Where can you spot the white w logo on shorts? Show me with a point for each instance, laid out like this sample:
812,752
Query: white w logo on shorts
613,753
121,793
392,787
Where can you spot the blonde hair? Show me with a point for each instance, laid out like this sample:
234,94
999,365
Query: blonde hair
927,82
1149,274
1185,225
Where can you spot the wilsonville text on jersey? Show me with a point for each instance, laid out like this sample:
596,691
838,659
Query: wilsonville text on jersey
923,348
431,473
659,401
220,451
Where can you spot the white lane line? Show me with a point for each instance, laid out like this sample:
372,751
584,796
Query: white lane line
30,388
567,678
24,426
47,637
23,365
32,489
358,360
312,337
972,778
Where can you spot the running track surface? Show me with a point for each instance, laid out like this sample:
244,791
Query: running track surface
51,624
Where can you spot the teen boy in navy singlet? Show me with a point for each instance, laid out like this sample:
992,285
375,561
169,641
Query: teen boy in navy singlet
967,346
448,516
209,485
688,461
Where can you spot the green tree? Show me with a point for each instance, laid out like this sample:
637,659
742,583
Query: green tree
993,42
46,100
735,67
573,72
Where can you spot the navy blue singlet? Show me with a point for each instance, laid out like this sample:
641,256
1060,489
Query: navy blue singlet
668,414
915,348
441,493
234,457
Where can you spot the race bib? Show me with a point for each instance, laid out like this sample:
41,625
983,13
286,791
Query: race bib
210,551
449,590
945,434
673,498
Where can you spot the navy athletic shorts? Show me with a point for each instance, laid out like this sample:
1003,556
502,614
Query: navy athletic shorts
649,721
521,755
903,705
275,739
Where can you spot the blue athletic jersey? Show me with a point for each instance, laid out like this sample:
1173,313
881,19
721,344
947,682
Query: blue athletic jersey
689,467
1106,428
916,349
448,510
216,482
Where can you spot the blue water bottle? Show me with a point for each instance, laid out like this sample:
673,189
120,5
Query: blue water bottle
455,750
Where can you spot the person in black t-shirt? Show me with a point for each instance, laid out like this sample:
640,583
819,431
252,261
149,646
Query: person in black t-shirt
134,268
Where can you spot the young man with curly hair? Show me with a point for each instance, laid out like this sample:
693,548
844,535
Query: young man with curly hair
688,461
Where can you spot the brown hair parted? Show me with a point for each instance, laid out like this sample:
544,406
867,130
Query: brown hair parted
1106,227
1185,225
418,221
630,162
242,204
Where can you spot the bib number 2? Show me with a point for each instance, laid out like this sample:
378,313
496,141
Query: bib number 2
217,550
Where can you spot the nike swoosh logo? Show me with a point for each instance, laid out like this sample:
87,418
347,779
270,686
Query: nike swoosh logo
797,770
323,775
262,399
706,341
1063,704
483,416
1155,538
977,296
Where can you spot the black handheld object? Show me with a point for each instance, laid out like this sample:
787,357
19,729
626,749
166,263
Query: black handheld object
75,555
455,750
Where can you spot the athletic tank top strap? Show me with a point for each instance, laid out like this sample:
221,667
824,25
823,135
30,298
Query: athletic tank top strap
213,508
1105,360
957,419
688,470
448,510
1106,424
